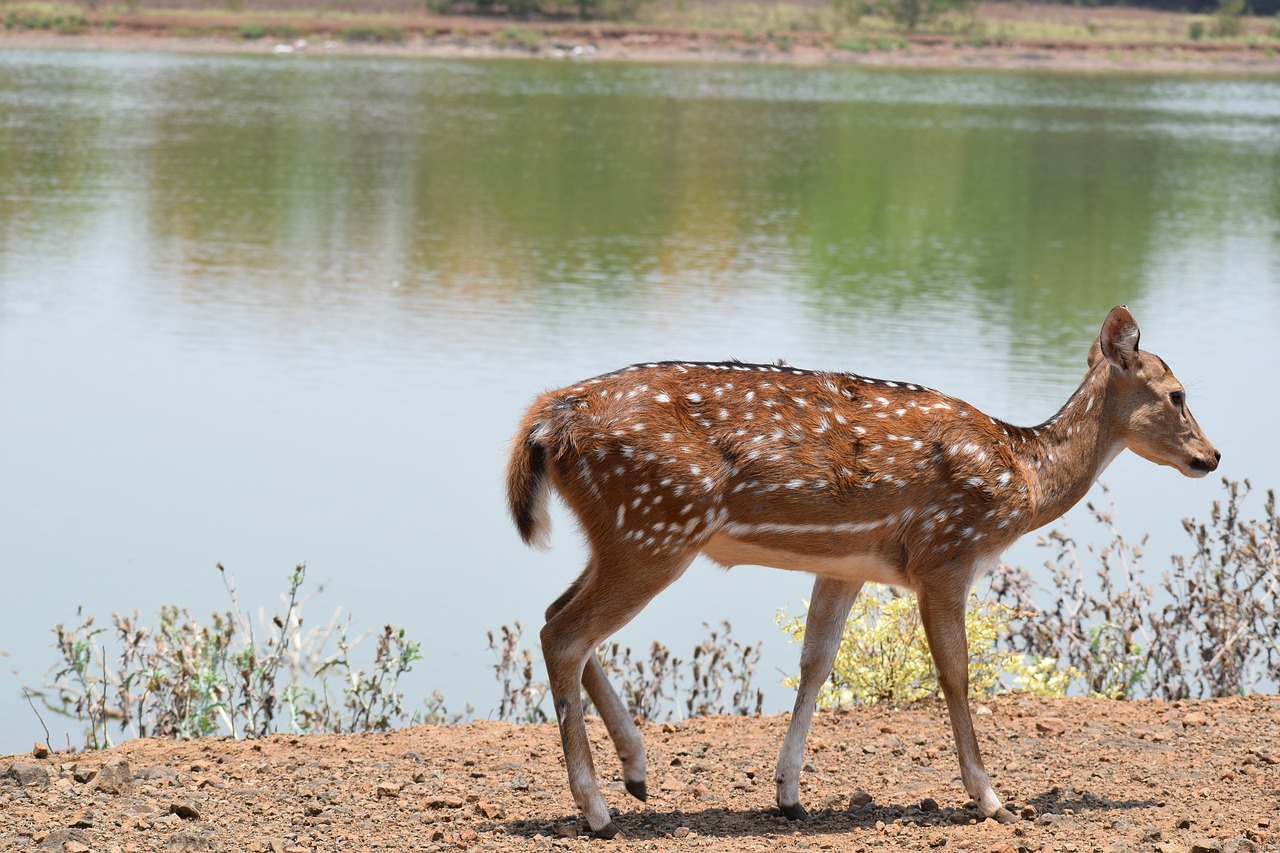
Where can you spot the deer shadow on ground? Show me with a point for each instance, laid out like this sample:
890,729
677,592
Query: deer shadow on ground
1047,808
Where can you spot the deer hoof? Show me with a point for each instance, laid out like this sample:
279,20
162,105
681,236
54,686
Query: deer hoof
794,812
608,831
1003,815
638,790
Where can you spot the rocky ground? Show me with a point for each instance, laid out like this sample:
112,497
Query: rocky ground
1084,774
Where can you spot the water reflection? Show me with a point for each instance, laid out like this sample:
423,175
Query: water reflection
256,310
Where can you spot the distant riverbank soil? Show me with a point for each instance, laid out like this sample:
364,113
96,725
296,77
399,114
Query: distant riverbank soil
1084,774
1072,38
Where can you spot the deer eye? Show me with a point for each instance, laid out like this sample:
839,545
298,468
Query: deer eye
1178,398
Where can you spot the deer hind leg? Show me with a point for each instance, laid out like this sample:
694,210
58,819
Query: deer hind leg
626,738
942,612
609,594
828,610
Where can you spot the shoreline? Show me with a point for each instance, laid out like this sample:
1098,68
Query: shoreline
576,41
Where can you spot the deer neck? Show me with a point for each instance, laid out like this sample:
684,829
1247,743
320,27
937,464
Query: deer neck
1063,456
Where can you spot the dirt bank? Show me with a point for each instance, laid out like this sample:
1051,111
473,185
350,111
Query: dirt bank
1073,39
1086,775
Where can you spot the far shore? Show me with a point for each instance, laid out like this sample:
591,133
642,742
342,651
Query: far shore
291,35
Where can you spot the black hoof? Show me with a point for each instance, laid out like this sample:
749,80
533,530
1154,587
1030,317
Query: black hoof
608,831
638,790
795,812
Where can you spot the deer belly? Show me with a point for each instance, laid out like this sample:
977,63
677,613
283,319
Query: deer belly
729,552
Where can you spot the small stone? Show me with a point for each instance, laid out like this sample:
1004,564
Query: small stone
489,810
680,832
1206,845
831,801
29,773
84,821
39,750
1051,727
436,834
184,810
928,804
1195,718
1184,823
445,803
386,791
75,847
59,840
859,799
1029,813
468,836
1151,836
567,830
112,777
192,841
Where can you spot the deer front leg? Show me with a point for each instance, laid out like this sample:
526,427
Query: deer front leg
942,612
828,609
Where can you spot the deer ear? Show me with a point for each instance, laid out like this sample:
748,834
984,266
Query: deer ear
1118,340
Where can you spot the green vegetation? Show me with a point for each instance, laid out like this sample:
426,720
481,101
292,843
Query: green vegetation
659,687
372,34
186,679
1227,22
1216,635
59,17
283,32
527,39
884,656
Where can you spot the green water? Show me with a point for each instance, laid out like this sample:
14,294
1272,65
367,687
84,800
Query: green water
261,310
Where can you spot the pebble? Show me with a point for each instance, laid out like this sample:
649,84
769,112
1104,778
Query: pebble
1209,845
185,810
489,810
112,777
39,750
1051,726
859,799
445,803
1195,718
29,773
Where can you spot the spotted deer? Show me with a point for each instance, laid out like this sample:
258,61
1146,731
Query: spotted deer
850,478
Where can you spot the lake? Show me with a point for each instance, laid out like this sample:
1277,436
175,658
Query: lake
267,310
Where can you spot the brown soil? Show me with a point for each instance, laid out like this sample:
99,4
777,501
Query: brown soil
1084,774
1119,39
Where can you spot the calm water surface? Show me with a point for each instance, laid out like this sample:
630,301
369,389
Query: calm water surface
268,310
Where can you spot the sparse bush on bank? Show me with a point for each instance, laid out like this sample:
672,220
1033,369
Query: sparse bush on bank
1215,631
661,687
186,679
1212,631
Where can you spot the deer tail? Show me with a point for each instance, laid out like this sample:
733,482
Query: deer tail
528,485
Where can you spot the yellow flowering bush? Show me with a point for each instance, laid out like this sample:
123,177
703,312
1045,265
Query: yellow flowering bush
884,656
